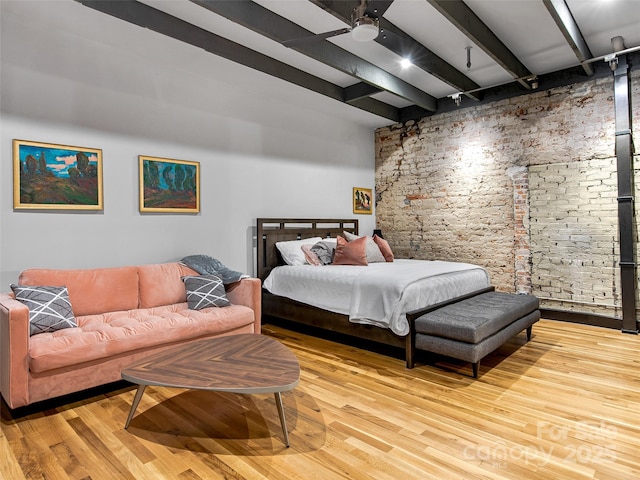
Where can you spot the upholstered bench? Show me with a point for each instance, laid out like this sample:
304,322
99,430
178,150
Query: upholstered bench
471,327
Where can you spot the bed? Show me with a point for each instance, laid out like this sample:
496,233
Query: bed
330,305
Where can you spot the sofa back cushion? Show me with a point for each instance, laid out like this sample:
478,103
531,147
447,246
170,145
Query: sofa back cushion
161,284
91,291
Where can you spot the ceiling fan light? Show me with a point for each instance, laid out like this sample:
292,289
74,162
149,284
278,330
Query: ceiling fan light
365,29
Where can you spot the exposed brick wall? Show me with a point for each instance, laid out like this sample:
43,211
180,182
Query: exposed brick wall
495,184
574,235
520,178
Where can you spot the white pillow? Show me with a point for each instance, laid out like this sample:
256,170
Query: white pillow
292,252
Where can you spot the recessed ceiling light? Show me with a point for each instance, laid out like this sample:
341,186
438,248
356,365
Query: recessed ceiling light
405,63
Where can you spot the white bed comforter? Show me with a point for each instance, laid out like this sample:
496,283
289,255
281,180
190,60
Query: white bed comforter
379,293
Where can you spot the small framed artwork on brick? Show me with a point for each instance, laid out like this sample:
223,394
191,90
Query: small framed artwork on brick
362,200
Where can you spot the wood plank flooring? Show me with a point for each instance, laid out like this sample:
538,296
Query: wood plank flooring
564,406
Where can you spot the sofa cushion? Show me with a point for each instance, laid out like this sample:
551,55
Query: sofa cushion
205,291
125,332
49,307
161,284
91,291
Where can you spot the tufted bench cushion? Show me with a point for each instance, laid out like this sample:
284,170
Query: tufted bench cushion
473,327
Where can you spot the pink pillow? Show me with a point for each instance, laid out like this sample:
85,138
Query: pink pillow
351,253
384,247
311,257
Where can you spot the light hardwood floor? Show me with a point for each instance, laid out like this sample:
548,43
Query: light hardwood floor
564,406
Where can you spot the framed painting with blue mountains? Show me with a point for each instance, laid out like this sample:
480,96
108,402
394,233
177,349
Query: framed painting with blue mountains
168,185
57,177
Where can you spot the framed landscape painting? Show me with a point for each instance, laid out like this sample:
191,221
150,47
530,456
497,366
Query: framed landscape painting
362,200
60,177
169,185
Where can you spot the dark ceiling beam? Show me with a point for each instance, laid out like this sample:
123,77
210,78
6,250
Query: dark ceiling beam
378,7
563,17
359,94
262,20
359,90
148,17
404,45
460,15
375,8
401,43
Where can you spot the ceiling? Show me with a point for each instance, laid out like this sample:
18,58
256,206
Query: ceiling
481,50
470,47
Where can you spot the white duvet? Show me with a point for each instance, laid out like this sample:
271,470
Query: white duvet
379,293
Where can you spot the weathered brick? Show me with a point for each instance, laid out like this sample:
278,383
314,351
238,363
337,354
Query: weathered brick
526,187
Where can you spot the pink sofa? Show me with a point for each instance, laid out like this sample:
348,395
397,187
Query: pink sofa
123,314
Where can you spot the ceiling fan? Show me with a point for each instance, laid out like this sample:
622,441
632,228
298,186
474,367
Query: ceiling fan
364,28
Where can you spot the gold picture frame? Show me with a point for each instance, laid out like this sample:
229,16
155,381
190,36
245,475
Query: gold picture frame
168,185
362,200
56,177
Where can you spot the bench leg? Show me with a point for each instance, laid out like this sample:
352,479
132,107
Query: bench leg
529,332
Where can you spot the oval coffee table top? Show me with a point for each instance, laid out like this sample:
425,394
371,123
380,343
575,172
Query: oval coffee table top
244,363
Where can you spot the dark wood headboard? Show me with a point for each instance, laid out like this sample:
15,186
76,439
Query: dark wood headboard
272,230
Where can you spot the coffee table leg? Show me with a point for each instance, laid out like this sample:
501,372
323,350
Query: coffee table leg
282,420
134,405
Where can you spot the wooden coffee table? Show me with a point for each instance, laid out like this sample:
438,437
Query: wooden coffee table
245,363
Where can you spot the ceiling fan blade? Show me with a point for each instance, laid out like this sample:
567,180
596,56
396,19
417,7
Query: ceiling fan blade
315,38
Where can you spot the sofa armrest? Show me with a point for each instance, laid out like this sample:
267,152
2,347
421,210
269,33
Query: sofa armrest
248,292
14,351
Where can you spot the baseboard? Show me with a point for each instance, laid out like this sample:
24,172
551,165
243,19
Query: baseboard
585,319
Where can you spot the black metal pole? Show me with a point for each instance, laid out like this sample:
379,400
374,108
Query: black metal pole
624,156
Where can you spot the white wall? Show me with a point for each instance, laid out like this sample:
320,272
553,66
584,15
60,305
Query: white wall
266,148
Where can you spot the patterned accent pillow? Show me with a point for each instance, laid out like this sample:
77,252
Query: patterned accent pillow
205,291
374,255
49,307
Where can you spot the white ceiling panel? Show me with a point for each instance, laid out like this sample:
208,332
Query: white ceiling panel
536,44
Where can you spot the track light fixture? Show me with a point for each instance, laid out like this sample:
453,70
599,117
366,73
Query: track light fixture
613,61
456,98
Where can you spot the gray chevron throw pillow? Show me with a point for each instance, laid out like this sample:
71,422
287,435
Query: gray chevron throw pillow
49,307
205,291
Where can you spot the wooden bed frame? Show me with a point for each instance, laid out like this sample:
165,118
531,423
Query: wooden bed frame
272,230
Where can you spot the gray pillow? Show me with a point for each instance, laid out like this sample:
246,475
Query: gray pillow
49,307
324,251
374,255
205,291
